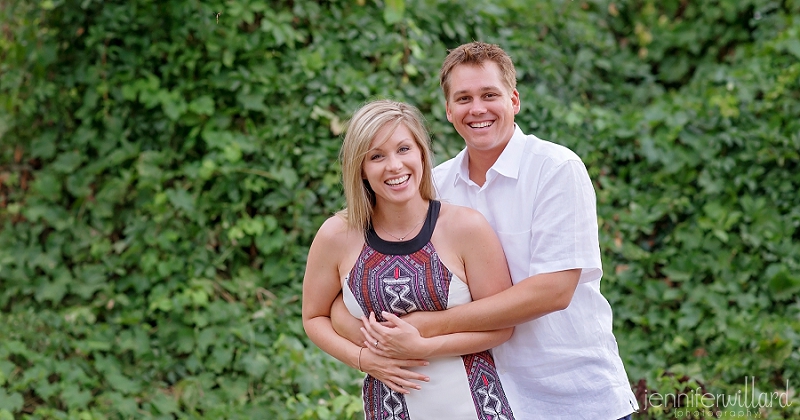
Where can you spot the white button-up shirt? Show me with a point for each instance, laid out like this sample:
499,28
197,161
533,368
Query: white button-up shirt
539,199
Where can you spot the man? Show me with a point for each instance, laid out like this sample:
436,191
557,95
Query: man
562,361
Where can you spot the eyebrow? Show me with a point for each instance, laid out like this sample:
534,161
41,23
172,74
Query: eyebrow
482,89
400,143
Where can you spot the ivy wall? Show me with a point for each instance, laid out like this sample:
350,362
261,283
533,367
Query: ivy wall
164,166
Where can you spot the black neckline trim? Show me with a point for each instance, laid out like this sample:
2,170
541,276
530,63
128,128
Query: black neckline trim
412,245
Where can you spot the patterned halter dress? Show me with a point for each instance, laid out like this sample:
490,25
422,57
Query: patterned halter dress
403,277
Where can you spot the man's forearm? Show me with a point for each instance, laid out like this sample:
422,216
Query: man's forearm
527,300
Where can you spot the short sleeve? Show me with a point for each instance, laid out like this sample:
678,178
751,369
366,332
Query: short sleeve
564,223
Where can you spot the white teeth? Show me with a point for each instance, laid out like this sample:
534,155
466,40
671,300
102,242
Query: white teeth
481,124
398,181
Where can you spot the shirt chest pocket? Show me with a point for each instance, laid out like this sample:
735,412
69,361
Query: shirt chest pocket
517,247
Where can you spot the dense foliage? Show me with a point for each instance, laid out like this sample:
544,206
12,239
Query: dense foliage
165,165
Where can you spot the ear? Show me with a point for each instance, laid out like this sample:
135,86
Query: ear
447,111
515,101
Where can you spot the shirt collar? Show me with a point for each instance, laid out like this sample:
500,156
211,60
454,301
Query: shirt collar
507,164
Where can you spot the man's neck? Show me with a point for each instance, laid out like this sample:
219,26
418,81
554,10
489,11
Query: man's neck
480,161
479,164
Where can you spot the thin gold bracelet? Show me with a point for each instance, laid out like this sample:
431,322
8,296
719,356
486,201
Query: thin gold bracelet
359,358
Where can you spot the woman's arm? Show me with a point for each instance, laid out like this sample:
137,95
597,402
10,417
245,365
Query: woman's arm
344,323
481,255
321,285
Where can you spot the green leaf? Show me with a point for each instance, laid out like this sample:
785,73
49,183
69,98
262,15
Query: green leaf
252,101
55,290
393,11
782,283
11,402
255,364
173,104
203,105
74,397
181,199
48,185
164,404
122,383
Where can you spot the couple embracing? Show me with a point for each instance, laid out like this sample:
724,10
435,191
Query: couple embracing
472,290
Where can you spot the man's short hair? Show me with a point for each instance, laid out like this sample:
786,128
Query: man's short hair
477,54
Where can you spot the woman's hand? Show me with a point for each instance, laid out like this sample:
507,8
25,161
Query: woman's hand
394,373
394,338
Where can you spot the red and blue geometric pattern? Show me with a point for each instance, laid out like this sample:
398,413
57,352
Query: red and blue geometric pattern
487,393
402,284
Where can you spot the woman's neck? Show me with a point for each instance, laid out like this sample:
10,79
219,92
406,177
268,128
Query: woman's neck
397,219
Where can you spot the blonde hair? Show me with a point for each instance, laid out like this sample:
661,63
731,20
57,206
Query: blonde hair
477,54
361,130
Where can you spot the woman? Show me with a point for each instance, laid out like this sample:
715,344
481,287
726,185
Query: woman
396,250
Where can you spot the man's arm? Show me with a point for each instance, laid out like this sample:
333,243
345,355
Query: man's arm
527,300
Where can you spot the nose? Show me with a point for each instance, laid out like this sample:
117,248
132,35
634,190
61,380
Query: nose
393,163
477,107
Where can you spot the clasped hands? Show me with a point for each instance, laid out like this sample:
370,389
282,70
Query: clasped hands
394,338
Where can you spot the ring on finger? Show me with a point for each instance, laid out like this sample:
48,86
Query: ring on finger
376,343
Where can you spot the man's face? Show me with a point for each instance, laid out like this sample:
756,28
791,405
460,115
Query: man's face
481,107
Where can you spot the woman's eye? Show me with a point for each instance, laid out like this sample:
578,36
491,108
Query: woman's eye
404,149
374,157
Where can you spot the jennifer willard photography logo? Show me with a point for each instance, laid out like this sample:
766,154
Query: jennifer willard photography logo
697,403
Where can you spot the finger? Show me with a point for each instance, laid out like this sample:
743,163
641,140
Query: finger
394,319
397,388
373,322
381,329
410,375
369,338
406,384
393,382
384,349
412,363
370,325
381,349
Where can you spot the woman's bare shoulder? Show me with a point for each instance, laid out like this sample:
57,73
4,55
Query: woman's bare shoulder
336,232
335,224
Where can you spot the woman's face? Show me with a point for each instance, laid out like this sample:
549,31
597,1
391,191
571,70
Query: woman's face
394,167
